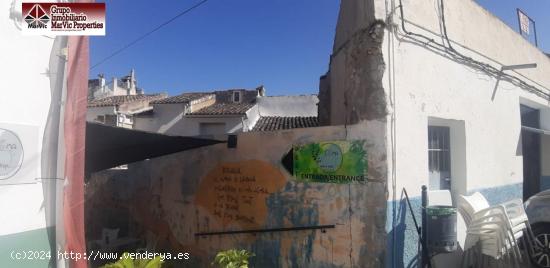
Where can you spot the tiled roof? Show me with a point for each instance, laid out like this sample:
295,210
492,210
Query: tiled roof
272,123
224,109
117,100
182,98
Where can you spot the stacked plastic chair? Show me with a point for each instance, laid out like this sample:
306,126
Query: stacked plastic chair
494,231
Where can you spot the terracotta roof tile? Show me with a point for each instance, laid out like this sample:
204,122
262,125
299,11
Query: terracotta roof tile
224,109
272,123
117,100
182,98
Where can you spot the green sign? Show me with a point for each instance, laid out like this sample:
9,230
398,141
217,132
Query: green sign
331,162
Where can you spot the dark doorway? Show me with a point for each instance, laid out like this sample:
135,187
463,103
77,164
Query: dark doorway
530,141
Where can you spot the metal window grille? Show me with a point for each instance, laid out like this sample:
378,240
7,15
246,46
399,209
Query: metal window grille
439,155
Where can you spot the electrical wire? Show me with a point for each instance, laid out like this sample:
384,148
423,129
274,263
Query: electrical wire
466,60
143,36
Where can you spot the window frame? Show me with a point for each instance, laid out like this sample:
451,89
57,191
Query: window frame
238,95
439,156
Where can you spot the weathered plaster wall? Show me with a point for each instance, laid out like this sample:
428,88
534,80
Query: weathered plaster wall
169,199
376,68
425,83
428,84
352,90
356,71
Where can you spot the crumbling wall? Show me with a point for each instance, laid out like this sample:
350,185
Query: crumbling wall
171,199
352,89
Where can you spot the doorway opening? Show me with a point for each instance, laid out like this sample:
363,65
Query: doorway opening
531,150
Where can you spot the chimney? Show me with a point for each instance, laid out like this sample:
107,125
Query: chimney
101,81
260,91
133,78
115,85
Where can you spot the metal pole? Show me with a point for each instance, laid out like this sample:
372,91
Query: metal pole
425,256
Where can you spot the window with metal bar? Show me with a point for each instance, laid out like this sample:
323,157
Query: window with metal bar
439,157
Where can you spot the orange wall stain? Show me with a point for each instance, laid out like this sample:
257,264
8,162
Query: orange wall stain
235,193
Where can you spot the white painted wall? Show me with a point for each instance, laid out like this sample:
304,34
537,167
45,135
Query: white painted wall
24,106
301,105
252,117
233,124
422,84
427,85
458,153
166,119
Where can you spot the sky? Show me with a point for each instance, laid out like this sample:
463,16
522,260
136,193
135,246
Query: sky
284,45
537,10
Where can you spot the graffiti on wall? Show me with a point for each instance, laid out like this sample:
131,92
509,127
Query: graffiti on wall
331,162
235,193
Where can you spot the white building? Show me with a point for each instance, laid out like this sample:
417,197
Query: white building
227,111
430,79
115,103
119,110
126,85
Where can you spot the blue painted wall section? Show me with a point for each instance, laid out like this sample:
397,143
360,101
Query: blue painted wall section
501,194
402,237
284,207
402,240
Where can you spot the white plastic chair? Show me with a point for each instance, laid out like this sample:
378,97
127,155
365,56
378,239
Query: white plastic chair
504,225
491,231
469,205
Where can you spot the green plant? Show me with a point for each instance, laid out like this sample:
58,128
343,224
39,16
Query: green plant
127,262
233,258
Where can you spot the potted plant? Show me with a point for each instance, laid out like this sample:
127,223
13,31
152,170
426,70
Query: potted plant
232,258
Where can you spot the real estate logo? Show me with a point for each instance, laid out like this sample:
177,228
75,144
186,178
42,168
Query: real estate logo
63,18
37,17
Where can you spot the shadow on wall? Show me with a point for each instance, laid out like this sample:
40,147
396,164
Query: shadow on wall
403,248
403,245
